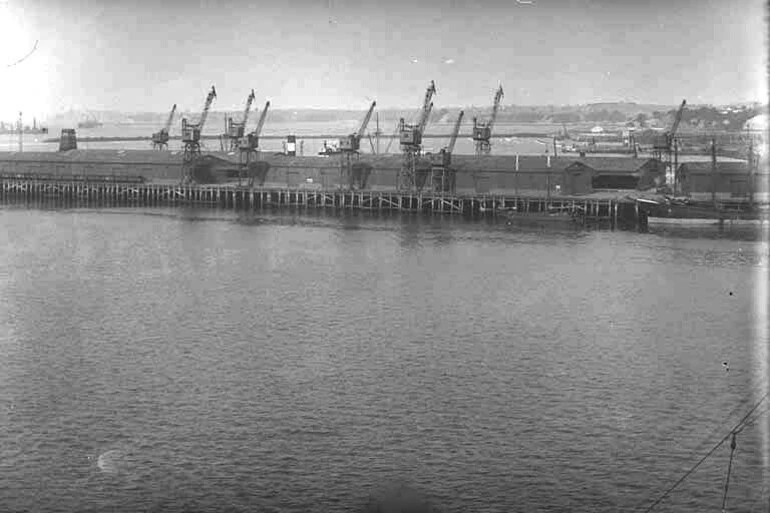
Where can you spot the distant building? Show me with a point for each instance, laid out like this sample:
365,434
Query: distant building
587,175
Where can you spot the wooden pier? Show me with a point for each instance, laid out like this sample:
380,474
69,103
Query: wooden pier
113,194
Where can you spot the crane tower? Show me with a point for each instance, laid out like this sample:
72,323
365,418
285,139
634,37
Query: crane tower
349,151
235,131
442,175
666,147
191,137
482,132
411,143
160,139
248,149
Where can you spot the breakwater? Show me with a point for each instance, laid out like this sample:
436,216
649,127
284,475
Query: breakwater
611,212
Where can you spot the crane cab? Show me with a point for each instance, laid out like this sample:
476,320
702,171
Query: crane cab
481,133
190,132
661,142
410,136
350,143
247,143
441,159
235,130
160,137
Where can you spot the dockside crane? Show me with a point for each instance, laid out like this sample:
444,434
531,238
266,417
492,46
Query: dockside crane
442,175
248,146
160,139
349,151
482,132
235,131
410,138
191,140
666,147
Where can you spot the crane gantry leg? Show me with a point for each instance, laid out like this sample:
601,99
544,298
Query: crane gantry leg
190,160
483,147
347,180
408,172
245,171
442,179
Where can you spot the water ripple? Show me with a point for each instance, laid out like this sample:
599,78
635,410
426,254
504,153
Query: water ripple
297,362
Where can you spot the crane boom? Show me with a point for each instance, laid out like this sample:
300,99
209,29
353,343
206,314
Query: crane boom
246,111
261,121
427,104
496,107
365,123
206,106
170,119
455,132
425,117
677,119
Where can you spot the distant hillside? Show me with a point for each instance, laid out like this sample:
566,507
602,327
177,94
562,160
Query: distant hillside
631,114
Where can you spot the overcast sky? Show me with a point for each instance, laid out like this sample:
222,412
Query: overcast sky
145,55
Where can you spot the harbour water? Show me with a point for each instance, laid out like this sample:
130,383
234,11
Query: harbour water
503,146
170,360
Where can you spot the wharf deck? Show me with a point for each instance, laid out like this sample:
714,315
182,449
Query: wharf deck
609,209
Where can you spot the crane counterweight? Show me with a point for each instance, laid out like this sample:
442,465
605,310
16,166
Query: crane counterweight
410,139
248,150
482,132
349,151
191,135
160,139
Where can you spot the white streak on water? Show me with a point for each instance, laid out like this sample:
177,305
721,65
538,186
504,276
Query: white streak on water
107,462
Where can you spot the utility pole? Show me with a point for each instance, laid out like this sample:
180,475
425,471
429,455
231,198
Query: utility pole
752,170
676,163
714,172
21,134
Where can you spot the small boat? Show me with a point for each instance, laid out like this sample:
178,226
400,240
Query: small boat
566,214
90,123
684,212
329,149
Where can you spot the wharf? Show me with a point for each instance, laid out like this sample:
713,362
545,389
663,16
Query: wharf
610,210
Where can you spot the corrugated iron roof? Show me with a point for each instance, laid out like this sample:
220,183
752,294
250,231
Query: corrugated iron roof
462,163
95,156
613,164
701,168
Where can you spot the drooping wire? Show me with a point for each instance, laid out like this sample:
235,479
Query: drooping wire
733,445
25,57
756,390
704,458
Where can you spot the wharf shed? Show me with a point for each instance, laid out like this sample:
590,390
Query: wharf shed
149,164
726,179
498,174
520,174
493,173
587,175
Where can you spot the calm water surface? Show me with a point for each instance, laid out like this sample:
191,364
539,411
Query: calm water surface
164,360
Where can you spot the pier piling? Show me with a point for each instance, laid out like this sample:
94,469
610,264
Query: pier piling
96,193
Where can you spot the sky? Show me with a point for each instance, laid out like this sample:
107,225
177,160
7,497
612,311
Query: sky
145,55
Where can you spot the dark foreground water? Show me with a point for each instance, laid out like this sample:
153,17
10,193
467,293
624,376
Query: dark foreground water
172,360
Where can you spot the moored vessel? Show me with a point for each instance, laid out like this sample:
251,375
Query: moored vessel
564,214
687,212
90,123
